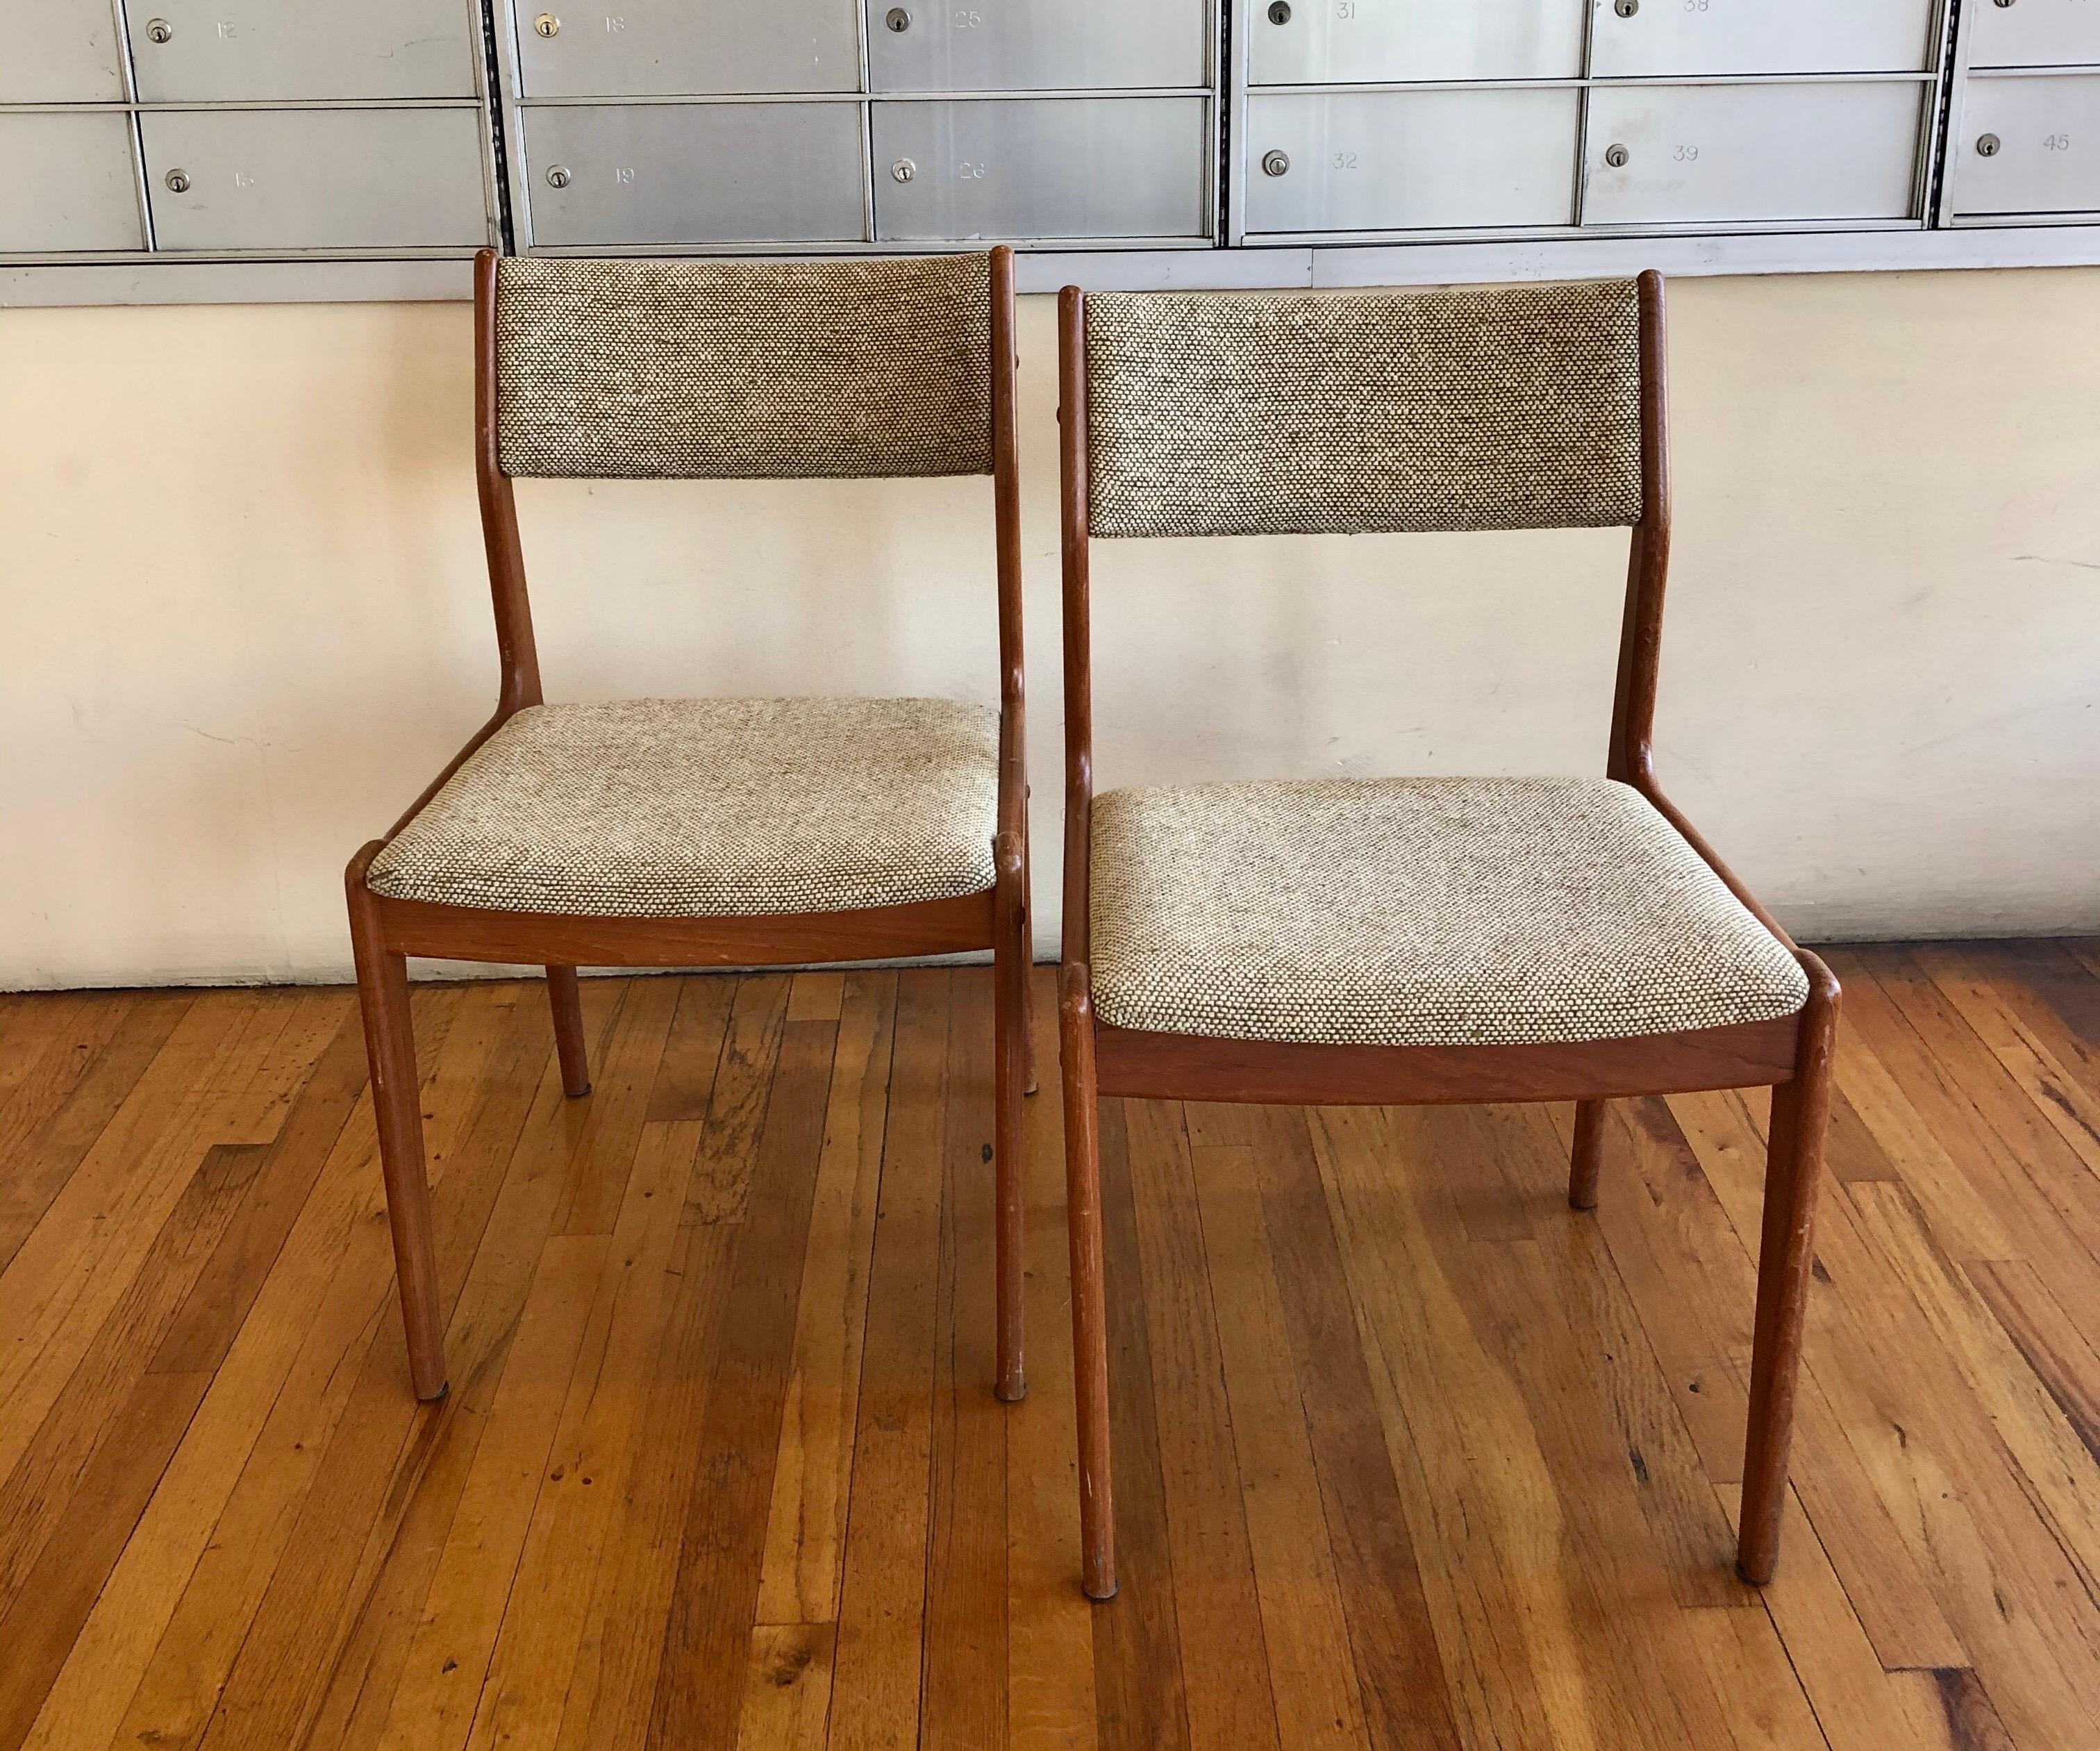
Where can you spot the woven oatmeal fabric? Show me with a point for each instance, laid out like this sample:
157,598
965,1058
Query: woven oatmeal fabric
1419,912
742,370
1498,408
710,809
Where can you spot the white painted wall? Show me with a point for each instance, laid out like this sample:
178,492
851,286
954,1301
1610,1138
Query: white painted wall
243,616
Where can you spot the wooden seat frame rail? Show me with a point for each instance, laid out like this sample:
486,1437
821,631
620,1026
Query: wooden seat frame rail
385,931
1791,1054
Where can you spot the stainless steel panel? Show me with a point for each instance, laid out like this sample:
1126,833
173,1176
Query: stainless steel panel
72,186
1690,36
216,51
2032,33
1027,168
1406,161
1733,154
316,180
1037,44
1341,42
674,48
694,174
2027,145
59,52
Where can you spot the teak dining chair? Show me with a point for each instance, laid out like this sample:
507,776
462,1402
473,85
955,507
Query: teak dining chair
1394,941
715,832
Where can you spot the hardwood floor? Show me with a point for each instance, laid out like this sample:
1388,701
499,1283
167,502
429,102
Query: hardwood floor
1408,1454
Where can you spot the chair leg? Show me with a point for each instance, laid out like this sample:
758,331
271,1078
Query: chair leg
563,993
1786,1258
390,1045
1009,1076
1090,1346
1029,1082
1586,1160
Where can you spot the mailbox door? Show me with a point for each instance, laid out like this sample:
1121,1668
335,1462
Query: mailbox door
286,50
1050,168
1410,160
59,52
1722,154
2032,33
675,48
1649,38
2027,145
1037,45
316,180
83,194
1368,42
605,176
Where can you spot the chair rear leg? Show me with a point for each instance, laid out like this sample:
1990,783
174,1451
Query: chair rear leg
1089,1345
1010,1077
390,1046
567,1001
1585,1162
1786,1258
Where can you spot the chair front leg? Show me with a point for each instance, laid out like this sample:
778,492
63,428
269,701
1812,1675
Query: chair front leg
1585,1160
390,1046
1090,1341
567,1002
1010,1078
1786,1259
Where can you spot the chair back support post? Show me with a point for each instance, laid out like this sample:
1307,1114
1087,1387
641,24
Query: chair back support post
1078,659
517,651
1006,481
1631,756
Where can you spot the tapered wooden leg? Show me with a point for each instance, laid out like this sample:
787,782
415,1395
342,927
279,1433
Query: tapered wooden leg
390,1046
1586,1160
568,1006
1028,1079
1786,1258
1089,1340
1009,1075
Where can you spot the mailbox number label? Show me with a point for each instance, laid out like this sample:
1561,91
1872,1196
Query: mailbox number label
2057,143
967,172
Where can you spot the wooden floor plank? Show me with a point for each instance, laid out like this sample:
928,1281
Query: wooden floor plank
878,1664
1408,1453
805,1530
714,1598
964,1686
600,1428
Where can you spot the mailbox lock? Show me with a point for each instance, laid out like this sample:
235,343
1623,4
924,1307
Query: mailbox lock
903,170
1987,147
1626,8
546,24
2005,2
179,182
558,177
1617,157
1280,13
899,20
159,29
1275,163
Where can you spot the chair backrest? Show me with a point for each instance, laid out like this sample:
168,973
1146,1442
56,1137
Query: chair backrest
743,370
1498,408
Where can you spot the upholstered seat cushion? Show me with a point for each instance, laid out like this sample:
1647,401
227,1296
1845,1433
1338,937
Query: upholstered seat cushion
710,809
1418,912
